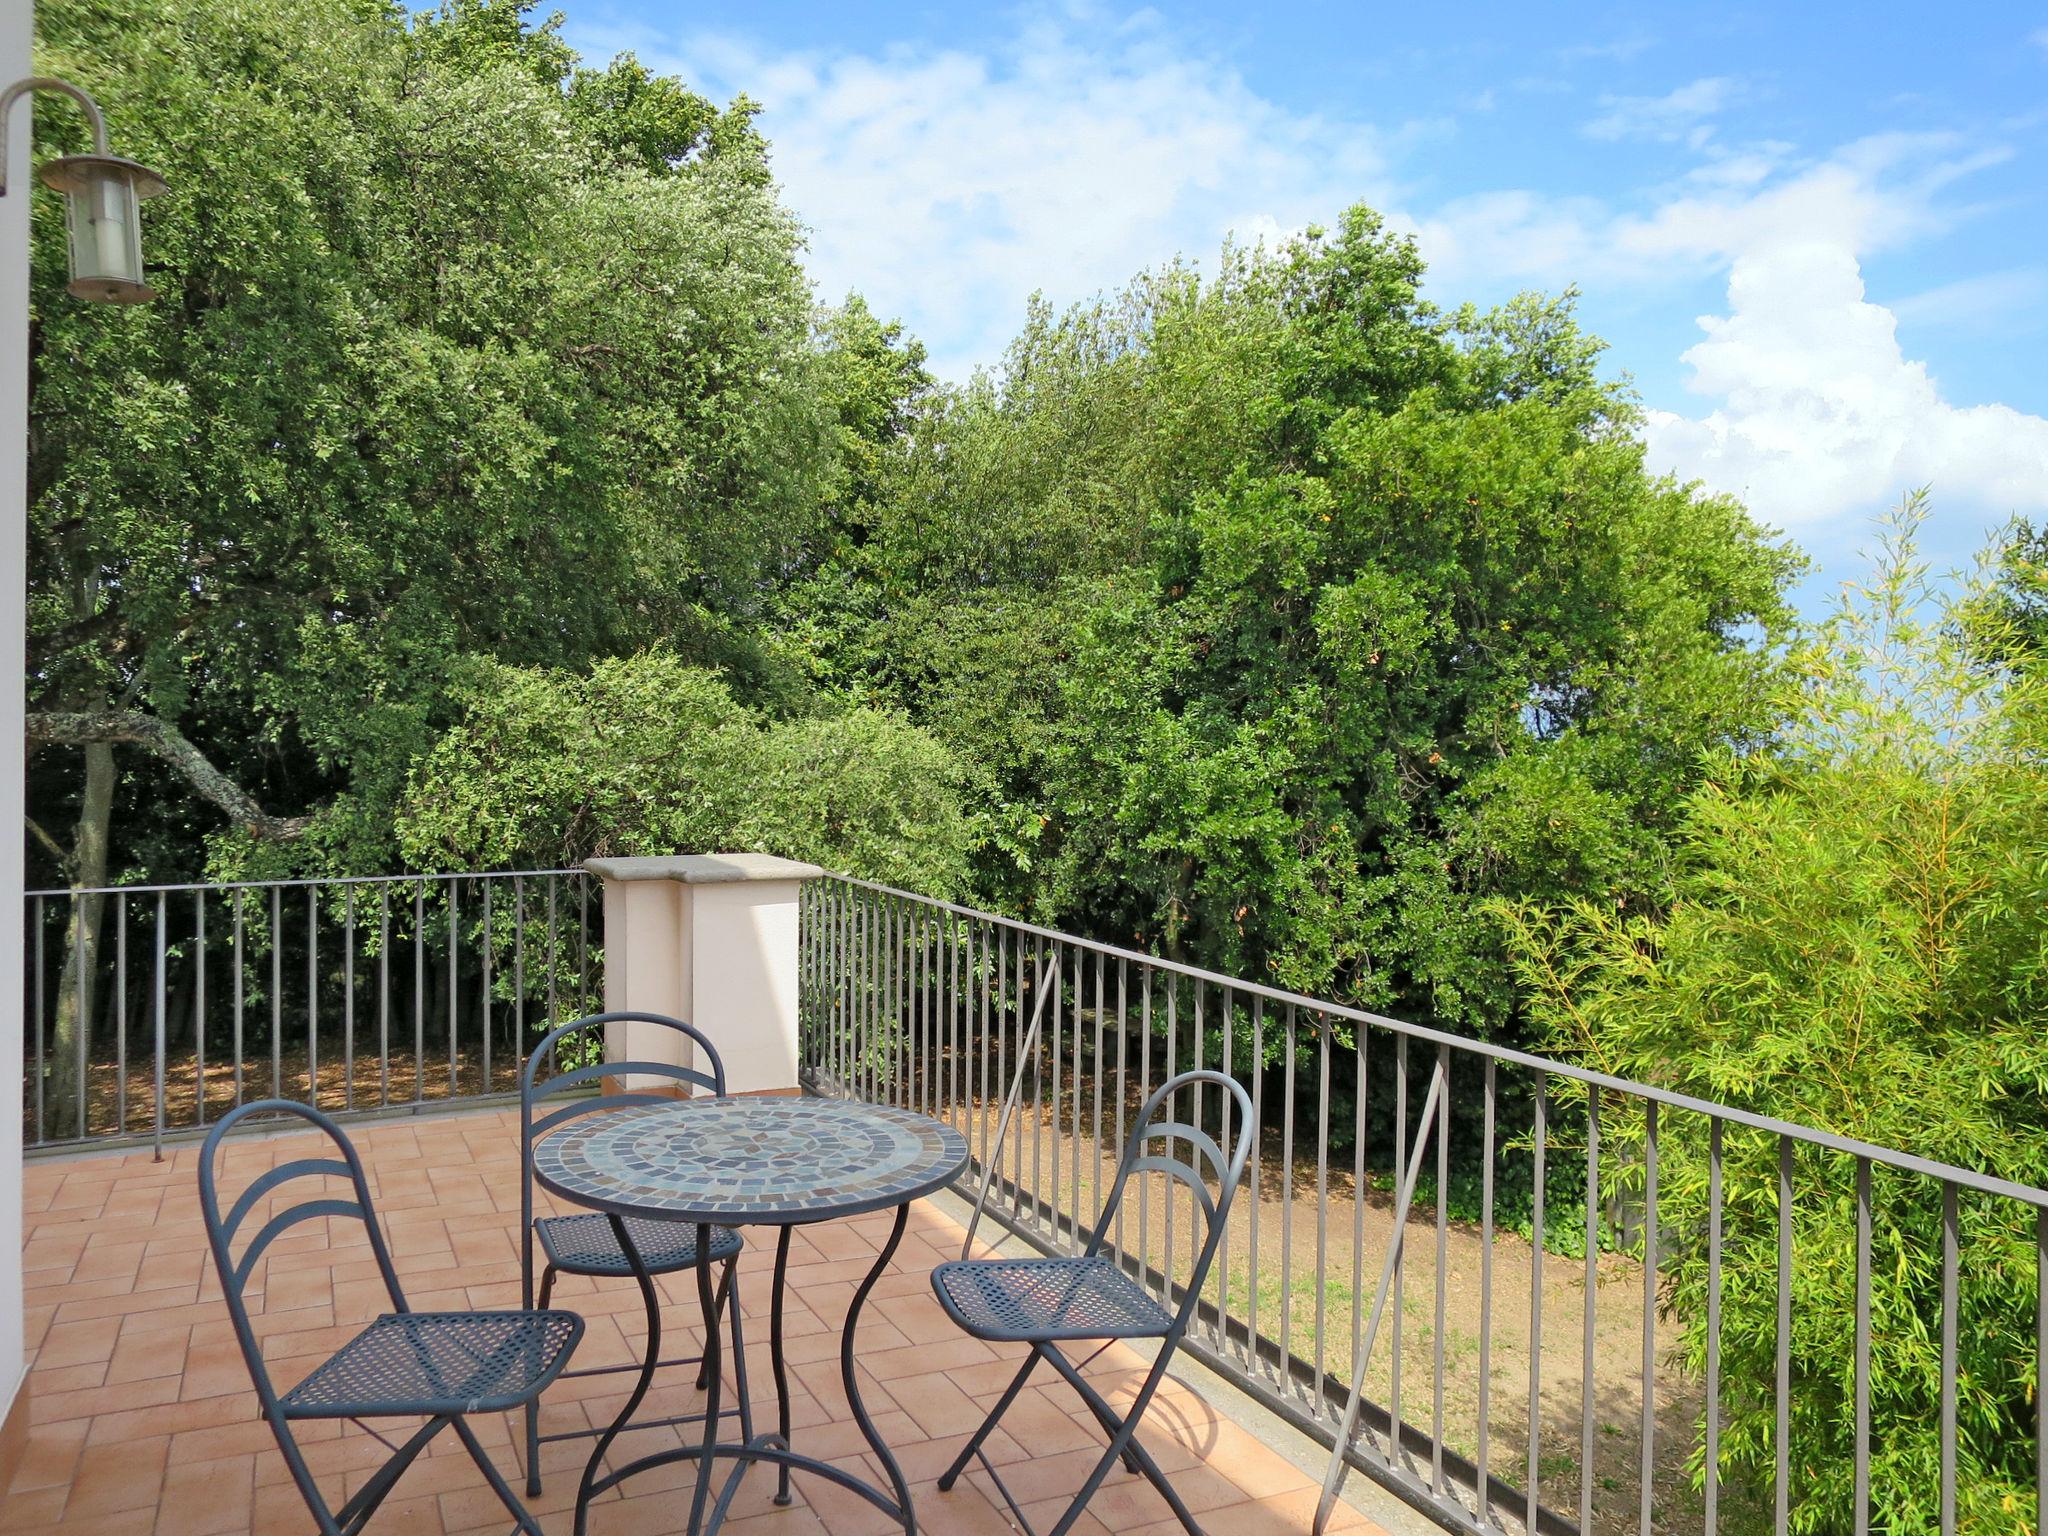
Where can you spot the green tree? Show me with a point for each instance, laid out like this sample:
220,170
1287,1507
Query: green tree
1281,619
461,352
1853,940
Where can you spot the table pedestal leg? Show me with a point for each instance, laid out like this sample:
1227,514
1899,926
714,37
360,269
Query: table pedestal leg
712,1373
653,1303
775,1353
852,1384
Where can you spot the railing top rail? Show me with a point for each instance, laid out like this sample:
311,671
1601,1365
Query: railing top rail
264,885
1963,1178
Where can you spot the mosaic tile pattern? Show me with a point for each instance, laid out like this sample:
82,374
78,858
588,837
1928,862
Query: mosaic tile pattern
755,1160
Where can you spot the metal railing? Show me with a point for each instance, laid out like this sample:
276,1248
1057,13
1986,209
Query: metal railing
1351,1300
154,1009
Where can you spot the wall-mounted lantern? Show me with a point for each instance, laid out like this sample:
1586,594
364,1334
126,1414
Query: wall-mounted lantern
101,196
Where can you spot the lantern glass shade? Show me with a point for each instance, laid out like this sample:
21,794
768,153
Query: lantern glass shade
102,194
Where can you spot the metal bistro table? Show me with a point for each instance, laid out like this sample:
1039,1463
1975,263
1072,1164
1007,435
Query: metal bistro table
781,1162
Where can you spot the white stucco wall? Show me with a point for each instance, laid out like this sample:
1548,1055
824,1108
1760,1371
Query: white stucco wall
15,34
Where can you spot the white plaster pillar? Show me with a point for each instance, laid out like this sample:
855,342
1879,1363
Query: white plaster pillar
15,36
710,939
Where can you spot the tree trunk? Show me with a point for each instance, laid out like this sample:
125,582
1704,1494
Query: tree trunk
82,943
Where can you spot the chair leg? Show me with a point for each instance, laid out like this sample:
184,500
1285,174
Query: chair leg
1122,1442
547,1289
1104,1414
739,1349
506,1496
952,1474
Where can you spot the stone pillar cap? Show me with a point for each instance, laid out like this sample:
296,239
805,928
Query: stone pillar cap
704,868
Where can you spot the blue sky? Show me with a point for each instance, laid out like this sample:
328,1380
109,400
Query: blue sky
1813,234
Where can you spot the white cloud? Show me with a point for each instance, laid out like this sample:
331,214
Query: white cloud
1681,114
2001,301
1820,413
2039,38
948,186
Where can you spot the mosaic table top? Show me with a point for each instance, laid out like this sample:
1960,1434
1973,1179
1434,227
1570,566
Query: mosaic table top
735,1162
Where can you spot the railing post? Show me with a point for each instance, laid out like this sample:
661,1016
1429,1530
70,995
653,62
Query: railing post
712,939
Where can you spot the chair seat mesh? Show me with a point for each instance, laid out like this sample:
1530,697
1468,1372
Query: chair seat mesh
1044,1299
584,1245
438,1362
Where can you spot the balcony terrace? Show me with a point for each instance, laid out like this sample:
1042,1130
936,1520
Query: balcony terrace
144,1421
1486,1369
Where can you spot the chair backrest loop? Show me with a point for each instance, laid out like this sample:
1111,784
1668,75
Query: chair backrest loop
235,1269
708,1073
1155,1124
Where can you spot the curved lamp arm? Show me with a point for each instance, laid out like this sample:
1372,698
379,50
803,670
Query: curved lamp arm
22,88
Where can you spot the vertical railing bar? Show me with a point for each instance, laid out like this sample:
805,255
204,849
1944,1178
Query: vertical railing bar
1783,1441
1395,1451
1586,1339
313,995
1443,1235
1058,982
277,992
1484,1426
348,1005
1287,1209
1650,1224
1322,1375
554,965
1863,1347
489,901
39,922
1144,1092
1950,1294
454,995
962,1020
1539,1131
121,1008
238,1003
991,976
83,1032
162,1004
1095,1132
917,1067
419,991
1037,1084
1258,1176
1168,1069
383,995
1711,1459
1362,1050
1008,946
1229,1029
1074,1114
519,960
582,954
198,1005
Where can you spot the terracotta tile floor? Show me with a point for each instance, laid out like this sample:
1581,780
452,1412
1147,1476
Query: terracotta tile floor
144,1420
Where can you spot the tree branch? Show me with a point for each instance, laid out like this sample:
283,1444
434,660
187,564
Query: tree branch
186,760
51,846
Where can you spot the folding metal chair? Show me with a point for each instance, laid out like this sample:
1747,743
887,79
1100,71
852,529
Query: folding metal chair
584,1243
1047,1302
439,1366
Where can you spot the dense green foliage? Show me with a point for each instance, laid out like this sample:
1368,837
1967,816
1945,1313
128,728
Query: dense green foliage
1281,620
646,755
1854,941
463,352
